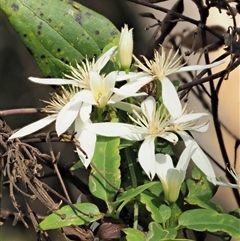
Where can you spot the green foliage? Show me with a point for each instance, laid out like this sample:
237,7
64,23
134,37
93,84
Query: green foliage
133,234
156,233
210,220
104,179
152,203
83,213
133,192
200,191
58,33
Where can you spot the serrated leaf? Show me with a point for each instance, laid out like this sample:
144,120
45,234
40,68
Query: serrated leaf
152,204
134,234
157,233
58,33
67,216
133,192
210,220
107,161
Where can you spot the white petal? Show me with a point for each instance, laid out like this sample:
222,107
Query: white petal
170,98
169,136
189,117
148,107
102,61
126,131
85,96
35,126
67,115
127,107
54,81
146,157
130,76
200,67
202,128
87,142
199,158
174,180
85,111
121,94
186,156
163,164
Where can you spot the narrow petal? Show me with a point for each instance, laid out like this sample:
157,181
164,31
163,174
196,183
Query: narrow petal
127,107
35,126
189,117
123,130
87,141
121,94
54,81
170,98
148,107
186,156
200,67
146,157
199,158
130,76
85,111
102,61
67,115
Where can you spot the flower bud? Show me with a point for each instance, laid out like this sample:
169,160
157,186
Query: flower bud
125,47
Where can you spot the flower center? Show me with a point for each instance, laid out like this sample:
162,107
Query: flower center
59,100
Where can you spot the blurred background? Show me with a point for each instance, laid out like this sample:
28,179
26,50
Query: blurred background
16,65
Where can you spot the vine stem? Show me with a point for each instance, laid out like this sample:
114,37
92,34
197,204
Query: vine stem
134,185
19,111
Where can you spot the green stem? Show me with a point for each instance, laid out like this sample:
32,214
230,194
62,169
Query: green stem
159,90
134,185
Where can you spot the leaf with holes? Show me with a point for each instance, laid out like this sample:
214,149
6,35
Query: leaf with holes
104,180
58,32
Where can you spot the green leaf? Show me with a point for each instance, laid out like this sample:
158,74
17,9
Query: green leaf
133,192
199,185
58,33
210,220
157,233
71,216
152,203
133,234
106,160
203,203
165,212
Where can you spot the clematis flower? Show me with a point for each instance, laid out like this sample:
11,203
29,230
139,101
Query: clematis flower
101,93
57,102
125,47
150,124
172,177
159,68
188,122
80,75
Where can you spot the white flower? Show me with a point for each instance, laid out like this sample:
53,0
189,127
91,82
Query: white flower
151,124
172,177
125,47
80,75
158,69
86,139
224,183
188,122
101,93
